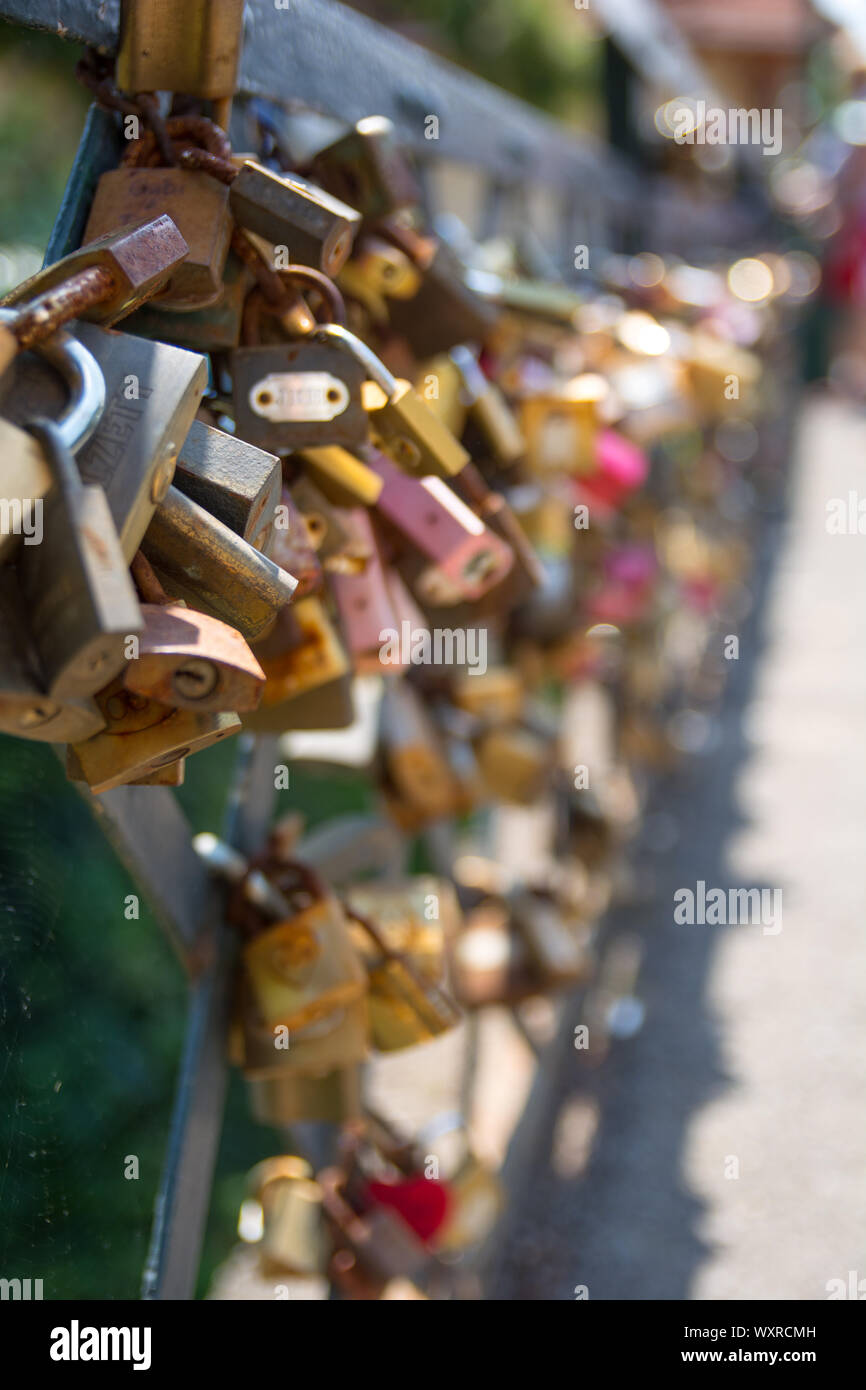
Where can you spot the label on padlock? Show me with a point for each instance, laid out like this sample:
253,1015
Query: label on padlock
299,396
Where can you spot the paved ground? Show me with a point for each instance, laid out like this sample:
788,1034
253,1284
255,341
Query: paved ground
721,1152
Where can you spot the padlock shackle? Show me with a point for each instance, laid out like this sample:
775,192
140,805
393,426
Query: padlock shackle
82,375
376,369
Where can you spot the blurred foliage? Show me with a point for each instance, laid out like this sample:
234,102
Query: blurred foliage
42,111
548,53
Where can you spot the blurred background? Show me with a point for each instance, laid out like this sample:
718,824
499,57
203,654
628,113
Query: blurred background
91,1000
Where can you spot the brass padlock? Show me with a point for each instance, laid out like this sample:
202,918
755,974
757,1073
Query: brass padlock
236,482
317,228
367,168
25,709
157,51
376,273
302,969
405,1006
195,202
561,427
416,917
308,672
414,760
515,762
200,559
293,1231
152,392
488,409
140,737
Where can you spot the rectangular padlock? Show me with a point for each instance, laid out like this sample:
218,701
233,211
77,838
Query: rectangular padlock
195,202
367,167
236,482
301,653
364,606
79,598
459,557
292,395
203,561
317,228
193,49
152,392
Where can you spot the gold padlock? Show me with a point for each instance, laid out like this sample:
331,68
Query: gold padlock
405,1006
140,737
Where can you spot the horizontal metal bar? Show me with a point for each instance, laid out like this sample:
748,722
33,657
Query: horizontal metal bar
325,56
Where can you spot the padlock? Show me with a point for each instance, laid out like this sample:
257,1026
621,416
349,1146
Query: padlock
488,409
236,482
445,312
152,392
80,602
363,604
376,273
475,1194
201,560
287,210
380,1245
157,51
466,560
413,756
515,763
292,395
196,203
25,709
293,547
293,1231
302,969
367,168
494,696
339,1040
423,514
405,1006
334,542
302,656
136,259
416,917
140,737
406,429
561,427
193,661
441,385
